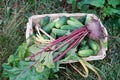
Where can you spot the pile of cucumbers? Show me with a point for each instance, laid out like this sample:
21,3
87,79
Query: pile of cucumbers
65,25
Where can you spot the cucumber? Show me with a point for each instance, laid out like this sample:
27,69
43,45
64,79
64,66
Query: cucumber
85,52
49,27
82,19
84,47
45,20
62,20
68,27
59,32
73,19
76,20
93,45
74,23
83,42
53,35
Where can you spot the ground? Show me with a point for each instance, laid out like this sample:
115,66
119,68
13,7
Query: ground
14,15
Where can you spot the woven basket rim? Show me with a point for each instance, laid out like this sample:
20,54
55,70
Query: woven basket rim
35,18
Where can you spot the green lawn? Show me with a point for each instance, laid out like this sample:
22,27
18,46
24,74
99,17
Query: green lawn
14,15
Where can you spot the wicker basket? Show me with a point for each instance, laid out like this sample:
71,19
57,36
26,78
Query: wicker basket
35,19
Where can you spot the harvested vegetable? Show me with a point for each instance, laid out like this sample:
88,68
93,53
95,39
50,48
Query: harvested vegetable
75,20
74,23
62,20
85,52
68,27
59,32
95,31
94,46
84,47
49,26
45,20
82,19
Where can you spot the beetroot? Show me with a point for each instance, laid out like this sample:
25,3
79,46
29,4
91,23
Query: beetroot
95,31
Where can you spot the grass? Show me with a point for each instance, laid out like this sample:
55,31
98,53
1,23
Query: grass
13,19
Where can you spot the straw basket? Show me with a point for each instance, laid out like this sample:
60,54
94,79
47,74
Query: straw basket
35,19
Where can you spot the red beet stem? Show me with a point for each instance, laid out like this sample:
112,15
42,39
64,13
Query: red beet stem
49,46
68,40
66,36
71,46
60,40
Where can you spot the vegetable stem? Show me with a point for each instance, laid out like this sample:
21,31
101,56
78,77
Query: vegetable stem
60,40
72,45
68,40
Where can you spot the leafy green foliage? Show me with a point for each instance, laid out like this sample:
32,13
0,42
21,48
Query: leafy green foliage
18,55
56,68
74,5
69,1
22,72
112,25
71,55
35,48
114,3
96,3
16,65
22,50
49,61
45,59
110,11
108,8
73,2
39,67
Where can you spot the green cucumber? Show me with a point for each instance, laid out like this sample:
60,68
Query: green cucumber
74,24
62,20
49,27
85,52
84,47
82,19
76,20
45,20
83,42
93,45
59,32
53,35
68,27
73,19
